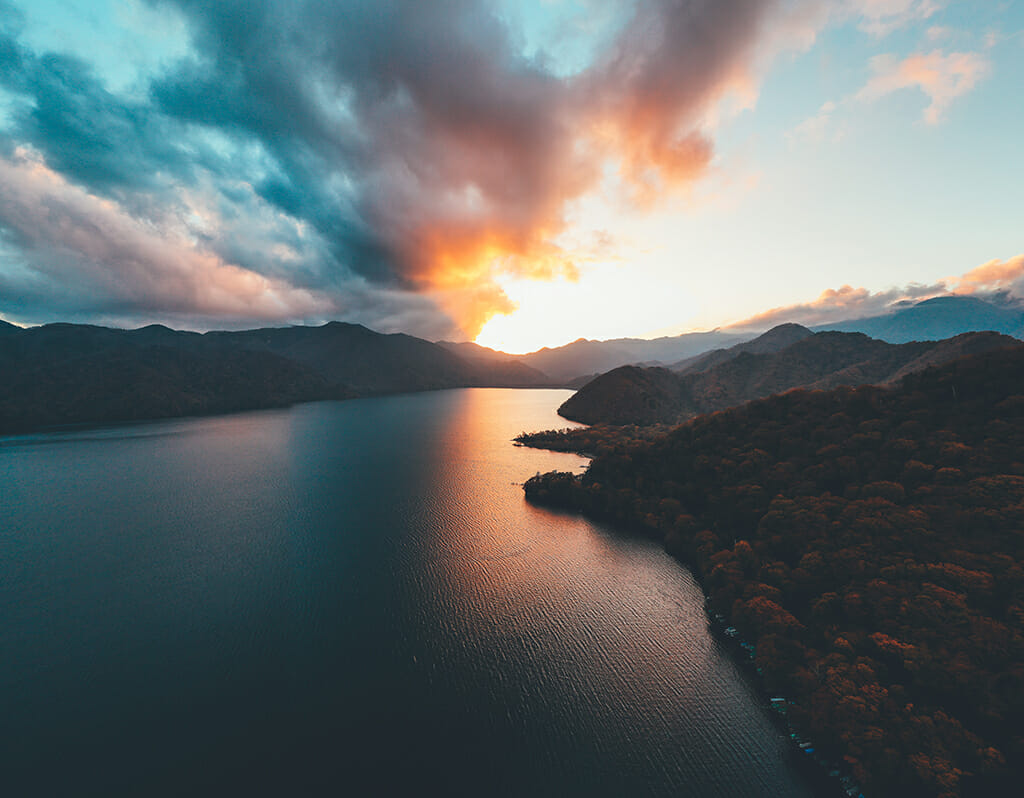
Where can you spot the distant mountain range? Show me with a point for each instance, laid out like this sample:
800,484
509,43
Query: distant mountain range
575,364
939,318
584,357
784,358
60,374
68,373
772,341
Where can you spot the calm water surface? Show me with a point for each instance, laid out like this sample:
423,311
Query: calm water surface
349,598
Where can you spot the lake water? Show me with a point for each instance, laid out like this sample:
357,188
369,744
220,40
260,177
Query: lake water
349,598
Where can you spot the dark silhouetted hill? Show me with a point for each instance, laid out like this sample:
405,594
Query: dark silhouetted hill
820,361
368,362
627,395
60,374
501,367
775,340
70,374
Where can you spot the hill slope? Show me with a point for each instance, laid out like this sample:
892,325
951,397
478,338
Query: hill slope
774,340
866,544
500,366
66,374
69,373
366,361
750,371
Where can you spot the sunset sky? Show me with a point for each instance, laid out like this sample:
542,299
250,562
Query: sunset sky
519,173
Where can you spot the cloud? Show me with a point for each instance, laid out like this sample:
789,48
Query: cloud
816,128
90,134
462,155
839,304
644,102
994,279
89,252
994,276
882,17
338,151
65,251
942,77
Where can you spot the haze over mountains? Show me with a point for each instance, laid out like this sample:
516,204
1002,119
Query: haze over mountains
928,320
583,357
938,318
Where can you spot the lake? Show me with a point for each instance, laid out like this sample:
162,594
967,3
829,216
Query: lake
350,598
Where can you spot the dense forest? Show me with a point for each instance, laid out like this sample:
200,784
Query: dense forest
591,441
869,544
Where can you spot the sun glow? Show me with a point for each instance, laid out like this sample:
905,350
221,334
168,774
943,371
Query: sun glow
607,301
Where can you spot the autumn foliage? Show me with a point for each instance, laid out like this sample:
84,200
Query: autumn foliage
870,543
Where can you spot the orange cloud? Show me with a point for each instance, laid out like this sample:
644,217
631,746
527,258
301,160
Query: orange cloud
397,149
942,77
995,275
847,302
475,177
838,304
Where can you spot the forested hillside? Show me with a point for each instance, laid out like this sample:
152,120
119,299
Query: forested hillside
59,374
784,358
869,543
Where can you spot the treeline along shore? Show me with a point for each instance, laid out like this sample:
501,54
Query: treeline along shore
869,543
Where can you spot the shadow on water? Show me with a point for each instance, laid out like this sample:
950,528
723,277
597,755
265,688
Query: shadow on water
349,598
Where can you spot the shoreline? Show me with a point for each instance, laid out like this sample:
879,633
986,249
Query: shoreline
824,777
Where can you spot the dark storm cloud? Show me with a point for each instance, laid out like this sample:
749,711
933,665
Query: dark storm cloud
337,149
412,102
85,131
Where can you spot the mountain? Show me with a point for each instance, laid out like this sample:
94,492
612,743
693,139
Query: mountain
581,357
938,318
370,362
367,362
630,395
774,340
509,369
72,373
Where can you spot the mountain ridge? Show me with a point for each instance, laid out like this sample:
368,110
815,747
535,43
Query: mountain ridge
60,374
584,356
632,395
938,318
